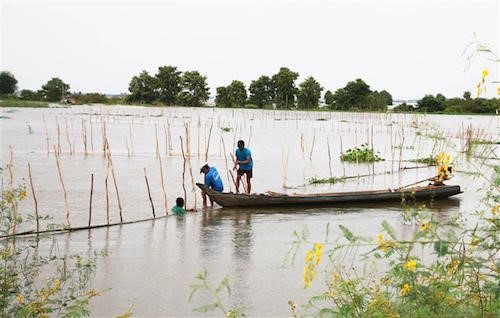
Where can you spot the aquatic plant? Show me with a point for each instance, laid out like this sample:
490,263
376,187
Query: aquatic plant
331,180
361,154
430,161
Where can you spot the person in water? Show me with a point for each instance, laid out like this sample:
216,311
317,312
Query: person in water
178,209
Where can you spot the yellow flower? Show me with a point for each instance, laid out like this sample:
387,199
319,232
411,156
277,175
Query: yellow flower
440,157
318,248
309,256
57,284
404,290
22,195
411,265
485,73
380,238
424,226
495,210
19,298
498,90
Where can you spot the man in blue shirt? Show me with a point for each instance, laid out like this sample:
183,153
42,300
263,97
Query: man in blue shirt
245,162
212,181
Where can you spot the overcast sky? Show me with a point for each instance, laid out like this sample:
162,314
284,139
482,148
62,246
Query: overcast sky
409,48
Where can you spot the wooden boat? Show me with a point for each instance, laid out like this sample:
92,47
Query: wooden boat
420,193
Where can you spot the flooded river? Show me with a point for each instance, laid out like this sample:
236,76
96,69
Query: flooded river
150,265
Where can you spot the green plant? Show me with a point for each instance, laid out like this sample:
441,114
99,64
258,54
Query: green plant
460,279
36,285
216,295
331,180
430,161
361,154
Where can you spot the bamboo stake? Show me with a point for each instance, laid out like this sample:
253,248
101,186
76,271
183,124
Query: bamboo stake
225,161
11,188
193,184
208,141
84,136
157,143
110,160
46,134
91,195
34,198
58,137
183,172
241,179
312,146
106,188
67,136
68,213
329,157
91,135
163,186
149,193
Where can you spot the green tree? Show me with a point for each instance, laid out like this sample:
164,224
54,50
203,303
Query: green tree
376,101
27,94
234,95
309,94
329,98
284,82
7,83
431,104
142,89
387,97
353,96
262,91
169,84
194,90
55,90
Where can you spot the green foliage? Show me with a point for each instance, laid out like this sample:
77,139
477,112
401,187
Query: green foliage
37,285
194,90
460,280
89,98
331,180
22,103
234,95
354,96
27,94
262,91
431,160
7,83
142,89
431,104
329,99
361,154
284,83
168,81
55,90
202,284
309,94
404,108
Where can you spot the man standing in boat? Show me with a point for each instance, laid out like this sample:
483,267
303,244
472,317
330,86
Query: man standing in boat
212,181
245,162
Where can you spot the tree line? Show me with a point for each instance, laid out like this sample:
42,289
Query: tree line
170,86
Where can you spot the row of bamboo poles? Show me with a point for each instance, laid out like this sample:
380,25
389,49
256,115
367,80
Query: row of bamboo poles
397,142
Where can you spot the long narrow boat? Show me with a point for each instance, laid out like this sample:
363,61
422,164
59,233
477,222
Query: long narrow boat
421,193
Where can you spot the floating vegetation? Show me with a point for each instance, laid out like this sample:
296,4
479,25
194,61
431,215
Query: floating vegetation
331,180
226,129
485,142
431,160
361,154
321,119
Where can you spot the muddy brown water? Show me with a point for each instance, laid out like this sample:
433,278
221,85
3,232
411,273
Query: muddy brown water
151,265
